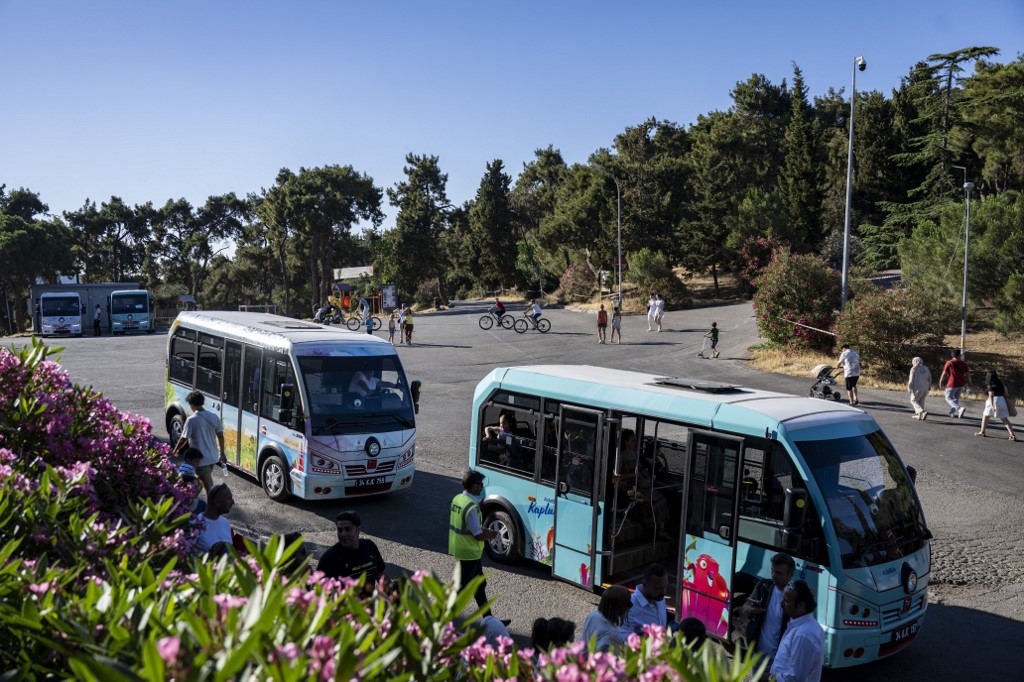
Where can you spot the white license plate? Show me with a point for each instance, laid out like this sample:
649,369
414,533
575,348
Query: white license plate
903,634
370,482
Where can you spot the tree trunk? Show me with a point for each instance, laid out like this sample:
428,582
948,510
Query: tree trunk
714,276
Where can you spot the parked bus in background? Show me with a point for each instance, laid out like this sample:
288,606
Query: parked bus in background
600,472
131,311
60,313
309,410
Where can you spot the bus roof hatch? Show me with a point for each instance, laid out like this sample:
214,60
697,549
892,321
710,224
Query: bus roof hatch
696,384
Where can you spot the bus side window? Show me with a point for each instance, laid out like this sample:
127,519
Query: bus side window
209,372
767,471
277,371
182,361
515,451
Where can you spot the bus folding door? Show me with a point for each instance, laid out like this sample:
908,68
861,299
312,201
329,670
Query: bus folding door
710,510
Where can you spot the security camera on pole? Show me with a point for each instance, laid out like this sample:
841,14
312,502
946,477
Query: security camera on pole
859,64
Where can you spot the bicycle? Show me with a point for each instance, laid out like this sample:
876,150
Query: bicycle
541,324
505,321
355,322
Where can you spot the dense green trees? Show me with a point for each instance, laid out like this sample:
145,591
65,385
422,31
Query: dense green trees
771,167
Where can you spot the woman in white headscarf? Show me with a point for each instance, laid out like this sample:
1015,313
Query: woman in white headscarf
919,382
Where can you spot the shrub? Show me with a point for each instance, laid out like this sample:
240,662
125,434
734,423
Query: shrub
755,255
797,288
888,328
652,274
425,294
1010,318
577,282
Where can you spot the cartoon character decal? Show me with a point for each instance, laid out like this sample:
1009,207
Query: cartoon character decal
705,591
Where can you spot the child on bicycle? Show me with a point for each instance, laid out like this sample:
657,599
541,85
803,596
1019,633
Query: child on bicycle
498,309
533,311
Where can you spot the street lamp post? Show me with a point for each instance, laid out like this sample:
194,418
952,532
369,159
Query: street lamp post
618,216
968,186
858,64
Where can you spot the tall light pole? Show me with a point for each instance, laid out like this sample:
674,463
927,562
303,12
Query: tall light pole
618,215
968,186
858,64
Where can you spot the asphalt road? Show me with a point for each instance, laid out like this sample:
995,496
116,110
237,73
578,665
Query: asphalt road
971,487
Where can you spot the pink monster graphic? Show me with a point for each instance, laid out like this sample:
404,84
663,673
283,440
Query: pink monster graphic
707,595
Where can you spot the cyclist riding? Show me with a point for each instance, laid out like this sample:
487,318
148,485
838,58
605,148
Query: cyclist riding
533,311
498,309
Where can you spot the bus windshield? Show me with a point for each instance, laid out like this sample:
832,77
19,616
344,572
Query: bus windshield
67,306
128,303
870,498
351,395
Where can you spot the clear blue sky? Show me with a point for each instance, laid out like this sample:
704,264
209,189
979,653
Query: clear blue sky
156,100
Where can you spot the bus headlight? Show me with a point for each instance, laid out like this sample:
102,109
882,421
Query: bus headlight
858,614
406,458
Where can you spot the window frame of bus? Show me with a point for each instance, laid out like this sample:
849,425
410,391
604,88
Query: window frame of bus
271,389
210,346
500,402
812,546
186,337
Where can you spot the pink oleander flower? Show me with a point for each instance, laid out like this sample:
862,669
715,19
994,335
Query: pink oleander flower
168,648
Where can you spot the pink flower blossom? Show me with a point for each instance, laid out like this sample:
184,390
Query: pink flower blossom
168,648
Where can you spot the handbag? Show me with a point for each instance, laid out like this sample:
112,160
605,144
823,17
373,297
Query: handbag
1011,409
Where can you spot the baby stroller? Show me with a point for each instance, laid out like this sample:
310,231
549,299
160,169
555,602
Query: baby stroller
825,378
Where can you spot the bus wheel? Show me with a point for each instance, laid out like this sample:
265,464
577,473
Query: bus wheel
506,547
175,425
273,476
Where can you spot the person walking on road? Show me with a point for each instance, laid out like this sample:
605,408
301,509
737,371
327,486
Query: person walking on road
391,327
602,324
97,316
995,406
849,359
466,535
617,325
408,326
652,312
955,375
659,310
401,323
918,384
204,431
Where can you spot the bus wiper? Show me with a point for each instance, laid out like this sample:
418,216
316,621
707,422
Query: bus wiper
331,424
401,420
884,543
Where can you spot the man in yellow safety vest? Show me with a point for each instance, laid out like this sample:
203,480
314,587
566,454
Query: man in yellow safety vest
466,536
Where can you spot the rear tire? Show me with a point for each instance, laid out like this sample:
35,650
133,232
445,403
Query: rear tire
521,325
486,322
376,323
507,322
274,478
836,397
543,325
507,547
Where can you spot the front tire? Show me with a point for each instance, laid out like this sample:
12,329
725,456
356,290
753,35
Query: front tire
352,324
175,425
521,325
486,322
543,325
274,478
507,547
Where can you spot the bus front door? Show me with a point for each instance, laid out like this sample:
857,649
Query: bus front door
709,544
580,444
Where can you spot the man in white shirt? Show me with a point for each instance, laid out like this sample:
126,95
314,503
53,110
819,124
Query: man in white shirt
850,361
205,432
216,537
764,609
659,310
802,650
648,602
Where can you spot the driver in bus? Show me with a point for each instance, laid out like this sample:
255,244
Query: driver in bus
364,383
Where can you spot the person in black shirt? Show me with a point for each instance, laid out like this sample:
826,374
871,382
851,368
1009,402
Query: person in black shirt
352,556
996,407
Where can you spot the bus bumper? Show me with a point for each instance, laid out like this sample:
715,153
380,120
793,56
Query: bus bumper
853,647
333,487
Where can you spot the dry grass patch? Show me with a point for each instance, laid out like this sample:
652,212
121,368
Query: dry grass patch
985,350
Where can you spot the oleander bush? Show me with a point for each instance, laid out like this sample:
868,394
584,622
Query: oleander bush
797,288
577,282
888,328
98,580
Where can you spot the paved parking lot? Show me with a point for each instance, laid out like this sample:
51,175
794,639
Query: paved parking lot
971,488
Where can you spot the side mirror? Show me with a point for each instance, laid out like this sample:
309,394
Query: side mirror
912,472
287,402
414,389
796,508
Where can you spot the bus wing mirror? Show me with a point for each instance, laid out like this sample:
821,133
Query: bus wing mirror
725,531
287,402
796,508
414,389
912,472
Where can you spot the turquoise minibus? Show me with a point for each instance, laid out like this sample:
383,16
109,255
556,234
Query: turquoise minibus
600,472
309,410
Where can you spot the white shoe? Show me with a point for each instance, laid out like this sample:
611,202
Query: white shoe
960,412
